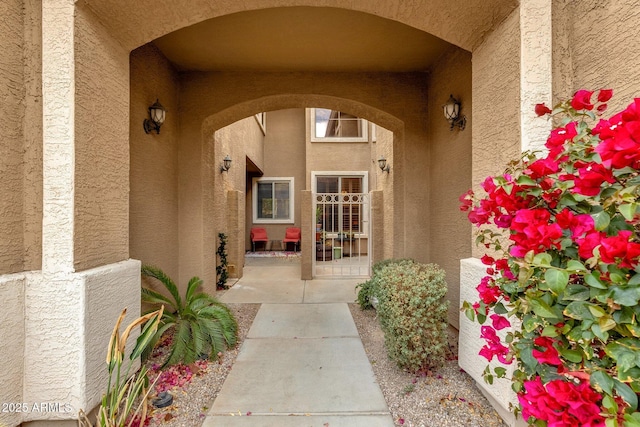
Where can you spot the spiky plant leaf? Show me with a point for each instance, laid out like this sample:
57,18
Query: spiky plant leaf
153,297
192,287
156,273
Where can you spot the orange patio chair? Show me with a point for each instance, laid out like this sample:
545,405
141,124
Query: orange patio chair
259,234
292,235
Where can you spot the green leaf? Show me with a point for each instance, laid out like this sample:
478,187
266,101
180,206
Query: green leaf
627,296
525,180
603,381
574,356
628,210
635,280
500,309
627,394
593,280
578,310
575,265
601,220
542,309
542,259
576,293
557,280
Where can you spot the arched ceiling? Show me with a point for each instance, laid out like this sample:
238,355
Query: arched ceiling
301,39
461,23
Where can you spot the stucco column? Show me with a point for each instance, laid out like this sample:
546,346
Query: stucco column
535,86
307,245
58,93
535,71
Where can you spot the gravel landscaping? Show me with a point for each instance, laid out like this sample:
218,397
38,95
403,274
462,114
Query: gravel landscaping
446,397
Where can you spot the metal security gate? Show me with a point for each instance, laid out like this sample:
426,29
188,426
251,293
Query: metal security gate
342,235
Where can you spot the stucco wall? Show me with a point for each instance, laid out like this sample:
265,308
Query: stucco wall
284,156
12,88
496,103
12,347
450,170
153,177
594,48
101,203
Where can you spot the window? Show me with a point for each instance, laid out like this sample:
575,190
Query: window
332,125
273,200
345,212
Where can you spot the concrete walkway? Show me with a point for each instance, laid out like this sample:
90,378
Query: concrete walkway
302,363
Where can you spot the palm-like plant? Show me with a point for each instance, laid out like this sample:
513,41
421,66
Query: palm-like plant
201,323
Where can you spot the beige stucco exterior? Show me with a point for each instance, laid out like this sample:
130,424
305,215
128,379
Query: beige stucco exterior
87,195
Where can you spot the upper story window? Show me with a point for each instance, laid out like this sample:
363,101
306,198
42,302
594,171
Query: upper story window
273,200
331,125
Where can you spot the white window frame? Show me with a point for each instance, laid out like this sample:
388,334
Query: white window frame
314,138
346,174
254,208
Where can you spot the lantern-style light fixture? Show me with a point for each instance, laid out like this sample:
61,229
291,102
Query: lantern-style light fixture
452,113
157,114
226,164
382,164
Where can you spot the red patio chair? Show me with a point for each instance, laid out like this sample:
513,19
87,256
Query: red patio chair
292,235
259,234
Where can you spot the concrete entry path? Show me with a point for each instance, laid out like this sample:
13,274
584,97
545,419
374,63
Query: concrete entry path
302,363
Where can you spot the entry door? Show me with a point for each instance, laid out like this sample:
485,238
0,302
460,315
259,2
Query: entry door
342,233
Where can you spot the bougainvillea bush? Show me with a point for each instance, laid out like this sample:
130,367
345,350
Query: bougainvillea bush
562,228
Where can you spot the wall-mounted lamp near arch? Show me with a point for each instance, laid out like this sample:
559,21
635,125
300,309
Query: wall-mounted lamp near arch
226,164
157,114
382,164
452,113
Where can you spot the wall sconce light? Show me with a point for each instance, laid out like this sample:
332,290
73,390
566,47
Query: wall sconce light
157,113
452,113
226,164
382,164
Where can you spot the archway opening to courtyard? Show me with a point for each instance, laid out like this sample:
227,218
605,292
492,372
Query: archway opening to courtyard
217,72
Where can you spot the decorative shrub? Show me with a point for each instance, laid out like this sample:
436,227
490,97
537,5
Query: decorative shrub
368,288
566,231
412,313
201,324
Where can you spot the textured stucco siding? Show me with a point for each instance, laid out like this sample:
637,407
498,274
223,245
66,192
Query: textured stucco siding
153,178
67,328
595,46
496,103
12,93
11,344
450,170
101,204
469,344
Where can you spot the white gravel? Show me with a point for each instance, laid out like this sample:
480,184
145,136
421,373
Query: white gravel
447,397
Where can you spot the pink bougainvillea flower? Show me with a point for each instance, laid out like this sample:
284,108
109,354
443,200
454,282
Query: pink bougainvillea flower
499,322
542,167
493,348
620,138
531,230
604,95
542,109
619,249
582,100
579,225
487,260
487,289
588,243
549,354
591,176
466,201
561,403
558,137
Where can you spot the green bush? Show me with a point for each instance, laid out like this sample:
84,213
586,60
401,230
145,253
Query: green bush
201,324
369,288
412,313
